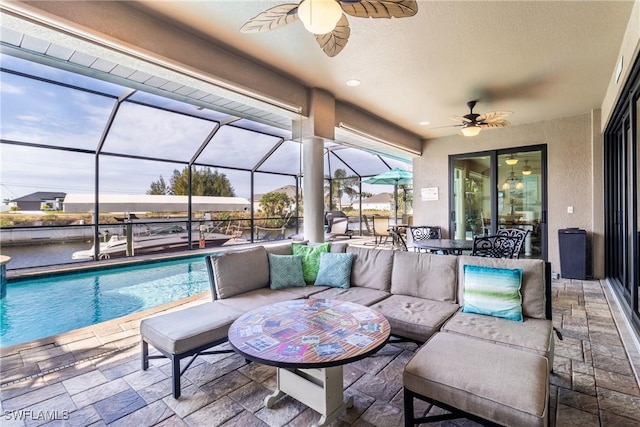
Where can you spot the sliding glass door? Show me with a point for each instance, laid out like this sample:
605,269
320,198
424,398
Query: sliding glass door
500,189
622,187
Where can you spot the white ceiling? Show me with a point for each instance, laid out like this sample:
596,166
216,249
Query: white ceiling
539,59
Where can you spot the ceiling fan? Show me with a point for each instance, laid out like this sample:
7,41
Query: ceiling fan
473,123
326,19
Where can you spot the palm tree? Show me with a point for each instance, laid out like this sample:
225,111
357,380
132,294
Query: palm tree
340,185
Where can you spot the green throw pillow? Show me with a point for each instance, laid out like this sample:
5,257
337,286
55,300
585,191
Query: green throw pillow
310,259
335,270
493,291
285,271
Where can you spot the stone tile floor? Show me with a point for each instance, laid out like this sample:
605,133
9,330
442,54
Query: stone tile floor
92,377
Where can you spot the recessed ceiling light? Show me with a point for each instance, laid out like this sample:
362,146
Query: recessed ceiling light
353,82
424,123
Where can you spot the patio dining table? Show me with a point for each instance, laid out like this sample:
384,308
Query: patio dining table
446,246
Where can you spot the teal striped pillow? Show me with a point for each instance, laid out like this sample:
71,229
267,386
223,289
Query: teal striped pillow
493,291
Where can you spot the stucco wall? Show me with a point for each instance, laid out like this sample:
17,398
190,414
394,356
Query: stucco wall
570,172
628,52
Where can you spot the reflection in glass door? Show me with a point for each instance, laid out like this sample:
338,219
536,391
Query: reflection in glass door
500,189
472,197
520,197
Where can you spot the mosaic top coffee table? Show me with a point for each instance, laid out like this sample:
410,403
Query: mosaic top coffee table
309,341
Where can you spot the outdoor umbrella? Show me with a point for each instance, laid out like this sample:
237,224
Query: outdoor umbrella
393,177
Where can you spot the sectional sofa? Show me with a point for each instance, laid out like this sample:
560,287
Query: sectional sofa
464,358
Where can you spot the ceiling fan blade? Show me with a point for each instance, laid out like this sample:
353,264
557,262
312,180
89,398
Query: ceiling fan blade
493,116
271,19
446,126
332,43
380,8
495,124
460,119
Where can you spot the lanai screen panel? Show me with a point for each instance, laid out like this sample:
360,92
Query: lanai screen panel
60,76
24,170
151,132
332,164
179,107
263,128
44,113
120,175
395,163
286,159
268,183
237,148
363,162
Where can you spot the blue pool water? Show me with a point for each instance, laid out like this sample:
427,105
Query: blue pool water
38,308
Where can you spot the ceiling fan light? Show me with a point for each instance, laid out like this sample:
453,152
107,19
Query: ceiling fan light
511,160
526,169
471,130
319,16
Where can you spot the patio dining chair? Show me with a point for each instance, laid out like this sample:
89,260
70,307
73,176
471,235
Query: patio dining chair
381,229
494,246
424,232
399,243
519,234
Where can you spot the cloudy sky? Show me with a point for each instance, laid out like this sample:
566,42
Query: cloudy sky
38,112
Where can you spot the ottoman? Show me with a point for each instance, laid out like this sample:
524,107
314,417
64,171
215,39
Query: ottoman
186,332
477,379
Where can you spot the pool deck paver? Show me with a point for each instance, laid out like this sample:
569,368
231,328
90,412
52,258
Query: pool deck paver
92,376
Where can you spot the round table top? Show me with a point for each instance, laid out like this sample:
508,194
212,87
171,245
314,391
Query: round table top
4,259
309,333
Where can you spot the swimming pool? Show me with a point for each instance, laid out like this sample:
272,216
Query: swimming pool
41,307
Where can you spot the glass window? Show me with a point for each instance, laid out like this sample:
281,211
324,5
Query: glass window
151,132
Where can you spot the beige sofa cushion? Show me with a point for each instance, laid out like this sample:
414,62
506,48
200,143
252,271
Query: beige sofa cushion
424,275
280,249
307,291
413,317
259,298
236,272
501,384
336,248
364,296
371,268
189,328
533,276
285,248
534,335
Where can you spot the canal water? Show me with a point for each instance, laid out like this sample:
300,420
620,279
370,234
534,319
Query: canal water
43,255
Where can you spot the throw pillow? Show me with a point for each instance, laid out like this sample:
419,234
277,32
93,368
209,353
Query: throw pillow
335,270
310,259
493,291
285,271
